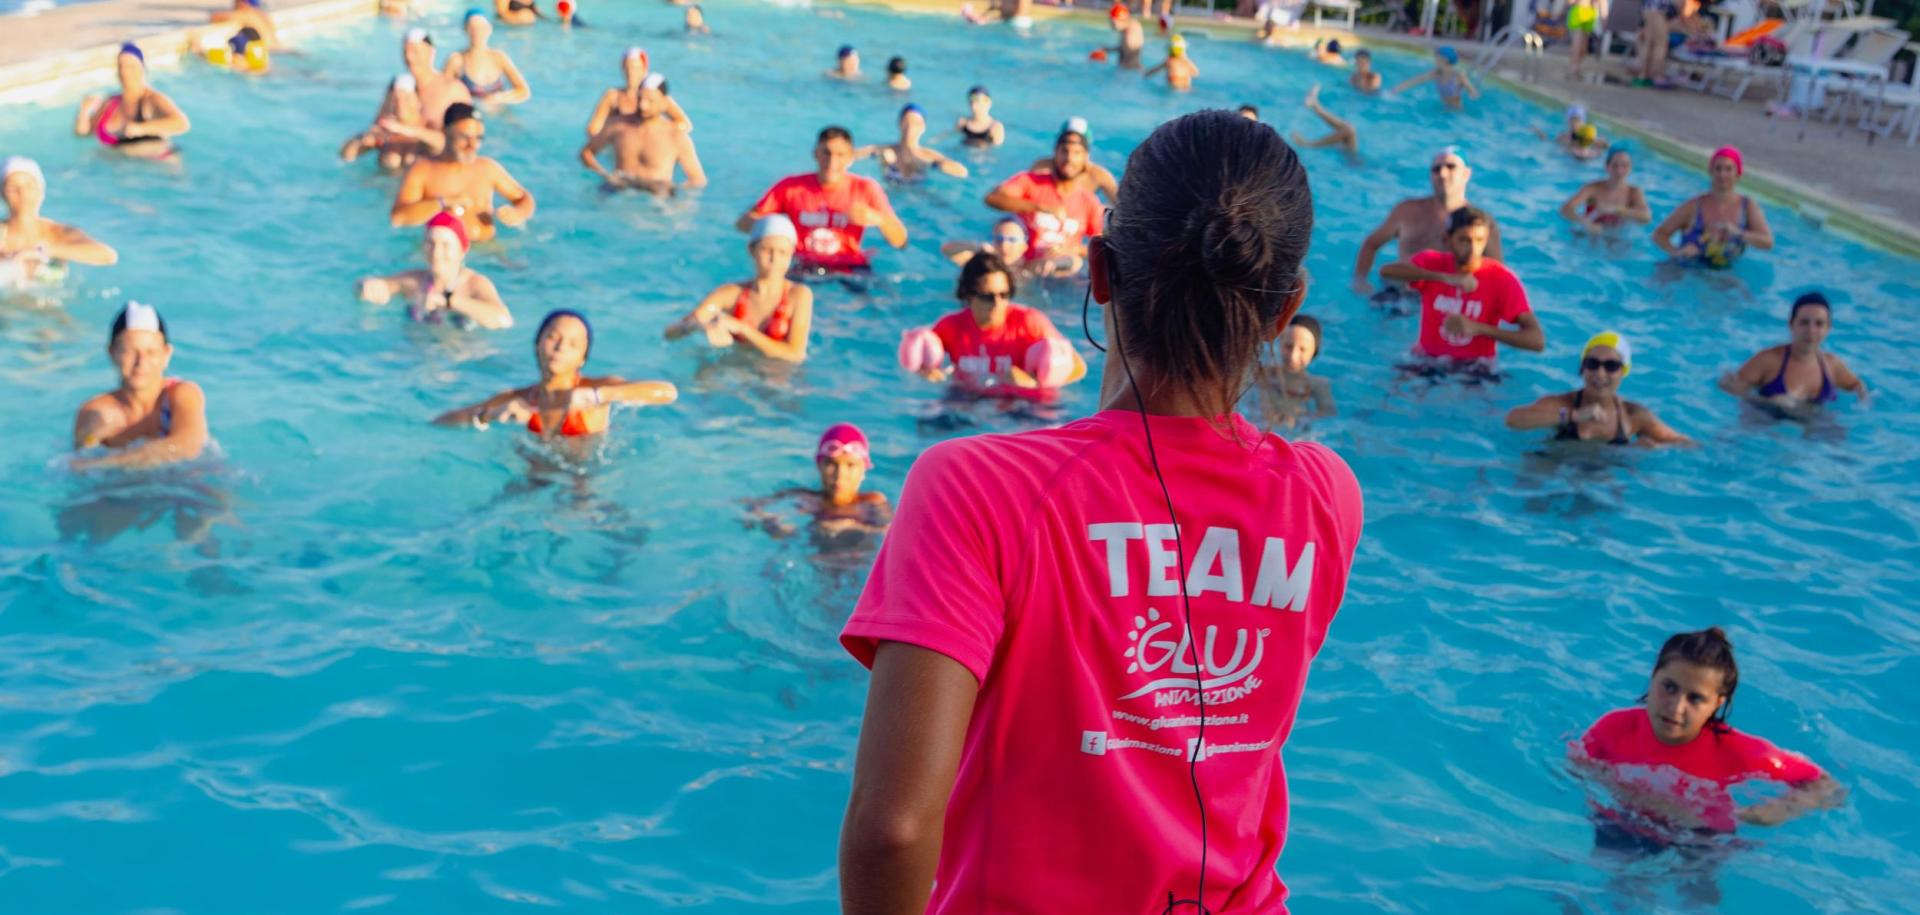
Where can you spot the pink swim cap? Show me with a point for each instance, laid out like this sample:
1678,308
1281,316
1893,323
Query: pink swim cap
844,438
446,220
1728,152
1050,362
920,350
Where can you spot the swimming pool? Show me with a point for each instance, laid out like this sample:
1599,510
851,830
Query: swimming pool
396,677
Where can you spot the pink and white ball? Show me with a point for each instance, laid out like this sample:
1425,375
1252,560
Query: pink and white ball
920,350
1050,362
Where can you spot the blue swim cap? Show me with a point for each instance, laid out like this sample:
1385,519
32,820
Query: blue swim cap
254,3
134,49
559,313
913,107
845,50
1619,149
1452,56
1333,46
979,90
473,13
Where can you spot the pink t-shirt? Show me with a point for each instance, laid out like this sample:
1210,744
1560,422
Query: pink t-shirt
979,355
1046,234
1044,563
1499,299
1697,772
824,216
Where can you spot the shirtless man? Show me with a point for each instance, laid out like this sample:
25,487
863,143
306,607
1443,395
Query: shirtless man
412,114
34,248
461,181
1364,77
646,147
1178,67
624,99
1420,224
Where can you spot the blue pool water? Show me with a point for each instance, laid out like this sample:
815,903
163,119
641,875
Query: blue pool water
362,664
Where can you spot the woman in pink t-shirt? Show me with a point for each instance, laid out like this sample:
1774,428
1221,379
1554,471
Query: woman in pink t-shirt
1089,642
1668,765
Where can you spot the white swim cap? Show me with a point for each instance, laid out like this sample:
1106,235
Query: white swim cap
655,80
23,165
1449,151
1076,124
405,83
775,225
141,317
1576,112
418,34
633,53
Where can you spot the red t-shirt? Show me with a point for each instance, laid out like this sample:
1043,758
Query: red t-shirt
980,355
828,236
1046,235
1499,299
1697,772
1044,563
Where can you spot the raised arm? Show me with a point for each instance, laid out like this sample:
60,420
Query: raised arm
1551,410
481,414
602,110
644,393
910,742
84,120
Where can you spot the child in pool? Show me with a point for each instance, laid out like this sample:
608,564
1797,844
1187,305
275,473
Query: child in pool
1288,393
1669,764
838,506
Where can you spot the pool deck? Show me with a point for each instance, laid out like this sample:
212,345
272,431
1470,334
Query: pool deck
1830,174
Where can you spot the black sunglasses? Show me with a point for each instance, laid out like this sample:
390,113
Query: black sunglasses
1611,365
992,296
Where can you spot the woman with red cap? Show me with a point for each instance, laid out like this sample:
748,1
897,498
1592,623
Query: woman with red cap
1718,226
446,289
838,507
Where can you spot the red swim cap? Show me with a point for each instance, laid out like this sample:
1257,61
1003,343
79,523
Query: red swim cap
446,220
844,438
1098,54
1728,152
565,8
1118,11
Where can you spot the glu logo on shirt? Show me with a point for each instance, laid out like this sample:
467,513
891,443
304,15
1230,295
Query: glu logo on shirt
983,364
1450,304
1161,657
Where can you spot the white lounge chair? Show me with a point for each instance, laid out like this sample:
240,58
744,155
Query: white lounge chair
1350,7
1898,107
1870,61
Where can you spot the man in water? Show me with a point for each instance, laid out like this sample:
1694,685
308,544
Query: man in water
831,208
1133,39
462,182
1364,77
414,110
1467,298
1057,205
646,147
1420,223
1178,67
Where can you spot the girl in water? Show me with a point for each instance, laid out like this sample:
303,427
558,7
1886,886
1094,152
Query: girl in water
979,128
1449,81
34,249
838,507
1797,376
770,313
624,100
563,402
141,121
446,289
1669,762
1007,550
1597,412
1610,201
149,419
1290,395
489,74
907,160
1718,226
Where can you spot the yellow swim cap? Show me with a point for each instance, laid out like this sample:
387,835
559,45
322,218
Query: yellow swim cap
1585,134
1177,44
1619,345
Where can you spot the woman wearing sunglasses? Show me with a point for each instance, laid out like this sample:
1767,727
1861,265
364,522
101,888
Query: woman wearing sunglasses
1597,412
997,348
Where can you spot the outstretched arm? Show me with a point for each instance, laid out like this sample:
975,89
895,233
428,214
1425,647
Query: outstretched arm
1551,410
71,244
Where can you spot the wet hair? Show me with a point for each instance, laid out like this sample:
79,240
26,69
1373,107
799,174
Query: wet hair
1465,217
897,65
833,132
1711,649
1205,246
978,90
1363,52
1312,325
1250,109
1810,300
976,268
556,315
457,112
